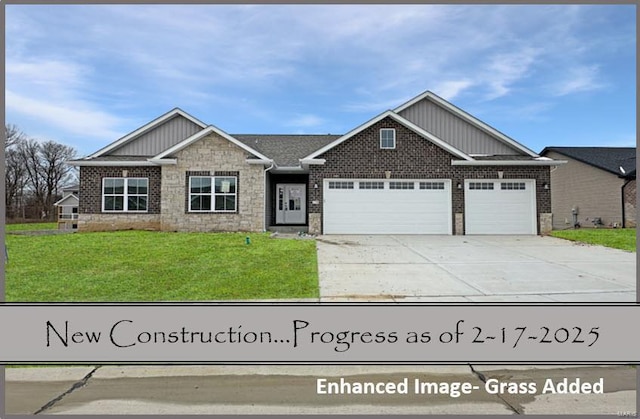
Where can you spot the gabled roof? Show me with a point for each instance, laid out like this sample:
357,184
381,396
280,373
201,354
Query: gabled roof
286,150
146,128
391,114
199,135
70,199
428,95
610,159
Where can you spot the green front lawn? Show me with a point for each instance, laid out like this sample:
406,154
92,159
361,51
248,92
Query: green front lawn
624,238
158,266
30,226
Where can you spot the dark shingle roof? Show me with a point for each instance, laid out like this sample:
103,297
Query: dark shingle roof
119,158
286,150
605,158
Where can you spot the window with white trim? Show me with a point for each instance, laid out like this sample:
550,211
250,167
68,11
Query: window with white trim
485,186
212,193
401,185
432,185
512,186
340,185
370,185
125,194
388,138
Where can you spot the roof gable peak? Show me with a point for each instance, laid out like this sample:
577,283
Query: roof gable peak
146,128
410,125
468,118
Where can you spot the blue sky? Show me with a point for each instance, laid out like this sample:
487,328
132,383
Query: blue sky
545,75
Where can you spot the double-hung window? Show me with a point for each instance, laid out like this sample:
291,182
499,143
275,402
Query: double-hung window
125,194
212,193
388,138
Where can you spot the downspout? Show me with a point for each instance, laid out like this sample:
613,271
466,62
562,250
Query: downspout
264,212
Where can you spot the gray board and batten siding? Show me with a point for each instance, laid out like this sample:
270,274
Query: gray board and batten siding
454,130
160,138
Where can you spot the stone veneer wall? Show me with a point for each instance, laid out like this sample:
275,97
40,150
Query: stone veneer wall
214,155
413,158
112,222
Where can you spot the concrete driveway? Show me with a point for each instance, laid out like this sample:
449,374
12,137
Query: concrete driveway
472,269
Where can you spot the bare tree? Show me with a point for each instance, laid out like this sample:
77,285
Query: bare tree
55,172
46,171
15,174
13,136
35,172
15,178
29,151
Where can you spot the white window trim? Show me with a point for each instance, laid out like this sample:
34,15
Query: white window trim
213,195
125,195
394,138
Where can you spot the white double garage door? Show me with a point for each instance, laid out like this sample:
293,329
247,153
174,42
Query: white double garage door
424,206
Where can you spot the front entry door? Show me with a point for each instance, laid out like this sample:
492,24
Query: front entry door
291,203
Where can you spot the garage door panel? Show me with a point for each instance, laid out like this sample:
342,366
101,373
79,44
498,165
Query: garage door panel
387,211
498,210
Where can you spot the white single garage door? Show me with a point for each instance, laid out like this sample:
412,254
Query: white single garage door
382,206
502,206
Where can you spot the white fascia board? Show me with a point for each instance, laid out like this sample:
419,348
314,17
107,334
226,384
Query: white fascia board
156,122
66,197
508,162
309,162
260,162
412,102
199,135
110,163
347,136
163,162
467,117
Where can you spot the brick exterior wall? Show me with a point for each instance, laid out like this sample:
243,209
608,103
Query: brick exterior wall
213,155
90,215
413,158
90,189
630,204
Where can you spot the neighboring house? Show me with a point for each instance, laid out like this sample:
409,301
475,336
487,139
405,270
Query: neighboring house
597,186
426,167
68,209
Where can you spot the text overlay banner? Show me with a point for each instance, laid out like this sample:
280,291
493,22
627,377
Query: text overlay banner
332,334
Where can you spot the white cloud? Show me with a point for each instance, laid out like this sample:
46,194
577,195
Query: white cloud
578,79
452,88
506,69
305,121
55,76
74,117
